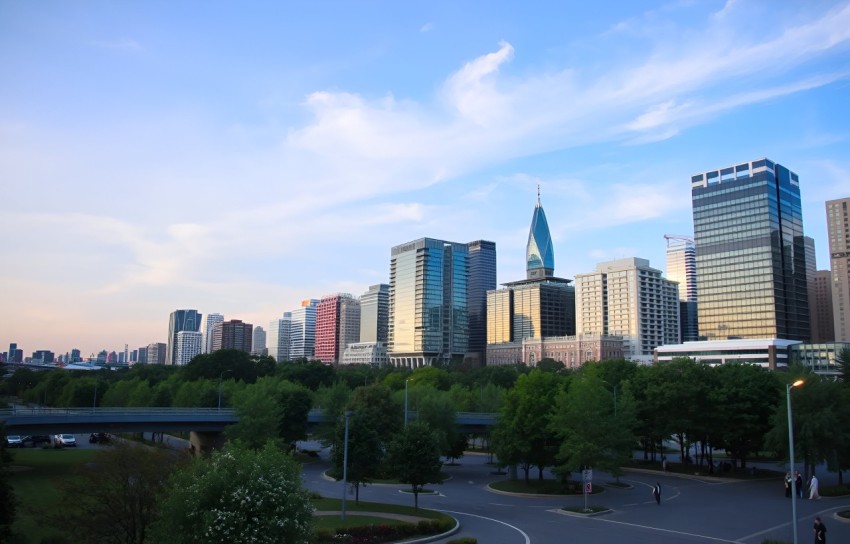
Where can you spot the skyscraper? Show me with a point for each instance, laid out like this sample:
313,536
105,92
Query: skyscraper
337,324
751,261
823,323
539,254
374,313
279,337
155,353
212,319
258,343
482,278
682,268
428,315
233,334
628,298
189,344
180,320
838,229
302,336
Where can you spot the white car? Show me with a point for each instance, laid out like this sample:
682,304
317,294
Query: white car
14,441
67,440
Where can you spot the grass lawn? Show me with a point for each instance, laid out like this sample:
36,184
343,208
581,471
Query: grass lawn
335,522
702,470
35,485
542,487
363,506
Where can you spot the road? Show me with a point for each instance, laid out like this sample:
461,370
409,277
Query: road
691,511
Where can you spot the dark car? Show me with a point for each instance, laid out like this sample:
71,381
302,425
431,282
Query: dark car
37,439
98,438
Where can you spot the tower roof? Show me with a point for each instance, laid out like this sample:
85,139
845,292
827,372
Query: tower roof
539,255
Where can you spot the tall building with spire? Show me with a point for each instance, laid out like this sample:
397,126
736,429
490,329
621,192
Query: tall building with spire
539,254
540,306
180,320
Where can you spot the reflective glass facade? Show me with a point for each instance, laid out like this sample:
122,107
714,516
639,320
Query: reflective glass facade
180,320
539,254
482,278
428,314
682,268
751,262
374,312
531,309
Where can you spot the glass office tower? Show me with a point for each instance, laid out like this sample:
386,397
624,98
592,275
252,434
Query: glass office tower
482,278
751,259
682,268
428,316
180,320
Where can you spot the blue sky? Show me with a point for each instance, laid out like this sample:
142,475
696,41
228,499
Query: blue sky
239,157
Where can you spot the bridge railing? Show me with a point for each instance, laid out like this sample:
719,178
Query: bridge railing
19,411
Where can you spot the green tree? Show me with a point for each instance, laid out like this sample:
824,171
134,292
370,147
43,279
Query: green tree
365,452
7,493
271,409
115,498
375,402
522,434
238,364
438,411
842,359
593,430
413,457
310,374
237,495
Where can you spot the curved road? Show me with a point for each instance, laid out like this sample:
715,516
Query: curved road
691,510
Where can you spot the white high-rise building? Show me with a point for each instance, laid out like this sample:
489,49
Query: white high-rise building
682,268
628,298
302,338
258,343
278,337
374,313
212,319
189,344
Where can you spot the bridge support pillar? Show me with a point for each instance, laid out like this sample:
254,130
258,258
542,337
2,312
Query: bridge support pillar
203,443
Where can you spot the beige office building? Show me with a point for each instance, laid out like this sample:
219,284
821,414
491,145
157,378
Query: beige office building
838,230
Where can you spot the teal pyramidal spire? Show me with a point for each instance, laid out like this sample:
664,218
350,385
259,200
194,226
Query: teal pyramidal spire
539,255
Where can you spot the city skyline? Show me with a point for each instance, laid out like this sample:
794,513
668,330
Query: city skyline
240,159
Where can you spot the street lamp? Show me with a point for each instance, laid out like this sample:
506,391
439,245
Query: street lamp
614,387
791,454
405,401
345,465
220,376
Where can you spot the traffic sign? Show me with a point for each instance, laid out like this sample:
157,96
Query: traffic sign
587,474
588,487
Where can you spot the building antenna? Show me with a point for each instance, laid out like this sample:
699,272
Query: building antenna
538,195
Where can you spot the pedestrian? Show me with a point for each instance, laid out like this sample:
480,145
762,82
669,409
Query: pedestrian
788,484
656,492
664,464
813,488
820,531
798,485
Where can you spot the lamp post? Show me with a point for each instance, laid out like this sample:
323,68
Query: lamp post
345,465
791,455
405,401
220,376
614,387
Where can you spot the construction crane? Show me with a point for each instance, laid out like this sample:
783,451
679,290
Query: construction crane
681,238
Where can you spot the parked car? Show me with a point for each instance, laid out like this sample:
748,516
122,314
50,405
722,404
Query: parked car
65,440
14,441
98,438
37,439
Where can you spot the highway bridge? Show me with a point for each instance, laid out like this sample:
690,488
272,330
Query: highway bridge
29,421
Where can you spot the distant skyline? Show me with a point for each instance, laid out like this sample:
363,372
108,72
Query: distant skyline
239,158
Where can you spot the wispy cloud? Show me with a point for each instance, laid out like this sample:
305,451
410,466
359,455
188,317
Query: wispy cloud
427,27
121,45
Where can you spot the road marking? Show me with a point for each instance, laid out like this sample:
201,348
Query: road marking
663,530
517,529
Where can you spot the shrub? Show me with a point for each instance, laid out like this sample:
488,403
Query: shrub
464,540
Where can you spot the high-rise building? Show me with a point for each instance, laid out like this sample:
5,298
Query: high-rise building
823,329
539,254
482,278
143,355
337,324
838,230
233,334
13,350
189,345
75,356
302,336
682,268
374,313
279,337
258,343
428,316
180,320
751,261
628,298
155,353
212,319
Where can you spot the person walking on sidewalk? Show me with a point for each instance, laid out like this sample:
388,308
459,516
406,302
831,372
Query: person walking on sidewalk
820,531
656,492
813,488
798,485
